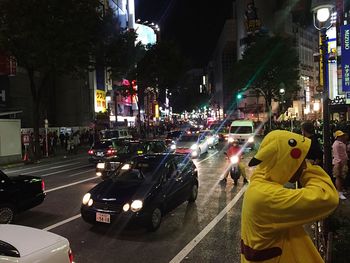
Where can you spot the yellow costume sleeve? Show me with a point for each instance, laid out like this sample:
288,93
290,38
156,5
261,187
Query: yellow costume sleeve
317,199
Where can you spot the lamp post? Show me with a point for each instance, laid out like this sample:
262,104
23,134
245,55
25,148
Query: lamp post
322,10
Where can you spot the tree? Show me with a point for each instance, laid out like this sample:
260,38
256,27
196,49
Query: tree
50,37
266,65
161,67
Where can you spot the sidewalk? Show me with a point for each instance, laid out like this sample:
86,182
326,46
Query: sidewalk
339,225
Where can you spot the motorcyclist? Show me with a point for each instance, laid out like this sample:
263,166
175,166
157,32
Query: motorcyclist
235,150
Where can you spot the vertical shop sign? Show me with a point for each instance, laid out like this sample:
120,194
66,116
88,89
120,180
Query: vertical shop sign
345,57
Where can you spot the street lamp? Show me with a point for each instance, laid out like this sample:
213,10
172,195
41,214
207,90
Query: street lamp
322,10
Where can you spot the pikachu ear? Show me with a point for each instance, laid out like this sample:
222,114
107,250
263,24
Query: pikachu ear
254,162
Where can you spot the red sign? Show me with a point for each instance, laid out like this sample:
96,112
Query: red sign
8,65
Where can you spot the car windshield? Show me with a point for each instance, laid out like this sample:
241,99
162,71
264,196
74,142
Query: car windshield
121,147
140,169
103,144
193,138
241,129
113,134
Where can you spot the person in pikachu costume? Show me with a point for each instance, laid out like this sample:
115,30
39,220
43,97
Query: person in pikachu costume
272,215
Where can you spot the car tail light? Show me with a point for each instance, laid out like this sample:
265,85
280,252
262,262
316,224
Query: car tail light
70,255
111,151
90,152
43,185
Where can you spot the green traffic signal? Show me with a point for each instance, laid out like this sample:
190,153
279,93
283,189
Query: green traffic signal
239,96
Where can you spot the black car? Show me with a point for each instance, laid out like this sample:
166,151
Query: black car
19,193
125,151
142,190
107,149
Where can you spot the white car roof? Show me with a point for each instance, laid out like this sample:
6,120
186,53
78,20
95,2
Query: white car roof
27,239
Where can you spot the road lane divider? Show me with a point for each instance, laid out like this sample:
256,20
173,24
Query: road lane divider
66,170
207,157
71,184
51,168
195,241
39,165
62,222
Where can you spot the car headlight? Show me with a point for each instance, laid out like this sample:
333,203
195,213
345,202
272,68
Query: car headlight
194,147
173,147
230,139
90,202
211,140
126,166
101,166
126,207
98,174
251,139
136,205
234,159
86,198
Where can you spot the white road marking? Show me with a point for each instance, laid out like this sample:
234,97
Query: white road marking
62,222
71,184
190,246
207,157
50,168
40,166
66,170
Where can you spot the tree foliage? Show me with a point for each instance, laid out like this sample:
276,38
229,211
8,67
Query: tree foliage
161,67
266,65
50,37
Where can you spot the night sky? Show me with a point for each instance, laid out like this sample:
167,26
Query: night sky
194,24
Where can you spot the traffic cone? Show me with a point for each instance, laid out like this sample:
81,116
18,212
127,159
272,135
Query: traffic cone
25,157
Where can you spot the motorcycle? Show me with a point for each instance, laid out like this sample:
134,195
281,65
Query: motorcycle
235,171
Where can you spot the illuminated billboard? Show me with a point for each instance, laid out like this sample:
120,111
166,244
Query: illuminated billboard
100,101
145,34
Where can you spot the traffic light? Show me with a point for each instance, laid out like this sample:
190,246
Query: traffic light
239,96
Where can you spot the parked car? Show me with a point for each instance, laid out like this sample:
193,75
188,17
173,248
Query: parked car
142,190
27,245
126,151
19,193
193,144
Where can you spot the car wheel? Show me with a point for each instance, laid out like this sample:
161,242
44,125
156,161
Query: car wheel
7,213
155,219
193,194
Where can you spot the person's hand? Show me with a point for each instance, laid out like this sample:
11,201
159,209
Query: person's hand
298,173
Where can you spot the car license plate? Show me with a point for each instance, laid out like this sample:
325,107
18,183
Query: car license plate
99,153
102,217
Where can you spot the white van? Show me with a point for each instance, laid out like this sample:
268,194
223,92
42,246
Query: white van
243,132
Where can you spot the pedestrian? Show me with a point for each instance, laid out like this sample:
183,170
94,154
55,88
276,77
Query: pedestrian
62,140
76,141
315,154
340,161
272,216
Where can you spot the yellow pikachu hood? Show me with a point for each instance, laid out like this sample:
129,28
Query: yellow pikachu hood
273,216
280,155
